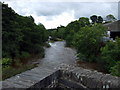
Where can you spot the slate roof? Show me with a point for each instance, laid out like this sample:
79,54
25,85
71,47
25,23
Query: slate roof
114,26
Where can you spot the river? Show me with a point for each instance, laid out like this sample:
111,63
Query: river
58,54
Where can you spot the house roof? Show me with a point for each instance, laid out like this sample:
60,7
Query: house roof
114,26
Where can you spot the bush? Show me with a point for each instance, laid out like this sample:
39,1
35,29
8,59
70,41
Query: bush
88,41
115,70
81,57
6,62
24,55
20,34
110,54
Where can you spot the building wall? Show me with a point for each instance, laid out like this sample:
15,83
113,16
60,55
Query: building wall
114,29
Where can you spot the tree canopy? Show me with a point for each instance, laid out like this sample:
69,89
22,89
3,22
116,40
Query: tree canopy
96,19
110,17
20,34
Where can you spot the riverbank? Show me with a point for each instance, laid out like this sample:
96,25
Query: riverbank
58,54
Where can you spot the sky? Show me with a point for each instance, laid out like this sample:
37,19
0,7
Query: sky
53,13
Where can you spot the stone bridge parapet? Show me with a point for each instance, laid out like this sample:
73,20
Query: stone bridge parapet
63,76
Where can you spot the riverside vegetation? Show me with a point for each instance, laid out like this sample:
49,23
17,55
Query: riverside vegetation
23,40
88,40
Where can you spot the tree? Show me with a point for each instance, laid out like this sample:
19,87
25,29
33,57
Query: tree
100,19
110,17
93,18
83,21
31,18
88,42
20,35
11,34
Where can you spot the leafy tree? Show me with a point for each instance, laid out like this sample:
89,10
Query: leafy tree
21,35
110,17
73,28
10,34
83,21
60,32
88,42
31,18
93,18
96,19
100,19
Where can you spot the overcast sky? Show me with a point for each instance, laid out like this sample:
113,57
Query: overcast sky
54,14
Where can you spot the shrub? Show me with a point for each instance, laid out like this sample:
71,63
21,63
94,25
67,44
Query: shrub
81,57
88,41
115,70
110,54
6,62
24,55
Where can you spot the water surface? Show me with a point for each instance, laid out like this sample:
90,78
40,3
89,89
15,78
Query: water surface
58,54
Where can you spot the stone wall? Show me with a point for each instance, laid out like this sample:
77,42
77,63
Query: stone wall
89,79
64,77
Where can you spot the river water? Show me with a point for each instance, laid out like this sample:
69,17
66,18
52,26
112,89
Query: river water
58,54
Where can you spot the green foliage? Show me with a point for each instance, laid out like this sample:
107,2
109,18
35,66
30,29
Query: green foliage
21,36
24,54
81,56
115,70
57,33
83,21
110,17
68,32
73,28
11,71
6,62
96,19
60,32
110,54
100,19
88,41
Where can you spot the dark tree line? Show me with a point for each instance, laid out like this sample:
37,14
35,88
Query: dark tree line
20,35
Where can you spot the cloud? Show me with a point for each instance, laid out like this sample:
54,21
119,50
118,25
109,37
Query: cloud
53,14
99,8
62,19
